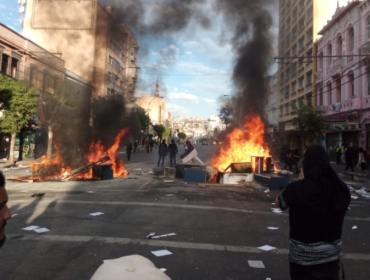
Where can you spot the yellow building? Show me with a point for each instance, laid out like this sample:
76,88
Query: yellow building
92,44
300,21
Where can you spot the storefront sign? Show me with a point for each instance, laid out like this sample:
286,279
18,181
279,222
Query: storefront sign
343,117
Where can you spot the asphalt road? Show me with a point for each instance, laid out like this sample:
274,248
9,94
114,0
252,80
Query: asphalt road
217,229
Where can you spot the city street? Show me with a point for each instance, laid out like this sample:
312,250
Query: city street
218,229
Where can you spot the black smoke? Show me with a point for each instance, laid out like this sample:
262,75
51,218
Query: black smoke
246,26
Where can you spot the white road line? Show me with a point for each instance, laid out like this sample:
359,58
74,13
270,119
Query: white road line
165,205
170,244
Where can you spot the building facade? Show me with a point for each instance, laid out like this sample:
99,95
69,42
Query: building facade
338,92
92,43
300,21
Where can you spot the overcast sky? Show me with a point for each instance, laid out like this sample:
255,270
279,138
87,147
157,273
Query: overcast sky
194,68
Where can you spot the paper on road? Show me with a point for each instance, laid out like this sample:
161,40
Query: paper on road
14,215
266,248
161,253
164,235
169,195
256,264
168,181
90,192
41,230
30,228
163,269
96,214
273,228
354,227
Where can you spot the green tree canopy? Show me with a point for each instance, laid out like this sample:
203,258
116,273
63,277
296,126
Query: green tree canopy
310,122
182,135
167,132
143,117
19,107
159,129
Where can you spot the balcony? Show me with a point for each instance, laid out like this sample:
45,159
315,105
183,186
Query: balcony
365,48
133,58
350,58
350,104
319,76
337,67
133,73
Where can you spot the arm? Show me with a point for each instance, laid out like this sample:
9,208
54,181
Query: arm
277,202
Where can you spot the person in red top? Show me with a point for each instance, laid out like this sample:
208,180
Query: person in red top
318,204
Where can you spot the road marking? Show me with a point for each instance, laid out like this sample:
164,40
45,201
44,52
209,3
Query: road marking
165,205
161,243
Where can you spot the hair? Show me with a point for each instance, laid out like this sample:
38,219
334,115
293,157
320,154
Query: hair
172,141
164,141
2,180
361,150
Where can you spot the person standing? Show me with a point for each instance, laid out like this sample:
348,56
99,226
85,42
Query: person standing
151,145
338,154
135,145
362,160
343,154
5,213
6,147
147,146
129,150
162,152
172,148
318,204
350,157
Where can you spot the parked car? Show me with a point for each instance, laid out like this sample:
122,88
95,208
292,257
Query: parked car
205,142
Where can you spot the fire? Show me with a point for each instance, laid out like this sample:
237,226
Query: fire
52,168
243,144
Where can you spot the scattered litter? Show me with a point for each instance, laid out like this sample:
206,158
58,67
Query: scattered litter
273,203
168,181
137,169
185,183
104,261
161,253
354,227
273,228
150,172
24,191
29,181
41,230
362,191
97,214
30,228
164,235
90,191
170,195
354,196
266,248
268,278
150,235
256,264
14,215
38,194
341,175
267,191
351,188
349,208
163,269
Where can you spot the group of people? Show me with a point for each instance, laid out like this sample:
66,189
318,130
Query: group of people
164,150
351,156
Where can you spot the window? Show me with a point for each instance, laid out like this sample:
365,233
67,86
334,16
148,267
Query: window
330,53
287,108
4,63
338,90
309,57
281,110
114,63
33,76
45,81
340,46
309,78
287,91
301,61
301,82
301,23
351,84
294,87
368,82
309,98
114,47
368,28
294,50
351,39
301,42
51,85
321,95
321,61
293,104
113,78
329,94
14,68
56,84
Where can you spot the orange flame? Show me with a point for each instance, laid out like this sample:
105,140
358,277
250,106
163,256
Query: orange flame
243,144
52,168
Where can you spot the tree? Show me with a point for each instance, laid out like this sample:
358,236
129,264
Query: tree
167,132
310,122
21,103
182,135
159,129
143,118
226,115
50,109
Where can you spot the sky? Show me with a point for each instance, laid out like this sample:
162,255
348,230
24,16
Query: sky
194,68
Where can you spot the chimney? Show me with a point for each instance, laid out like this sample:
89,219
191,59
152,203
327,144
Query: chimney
109,9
